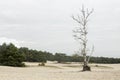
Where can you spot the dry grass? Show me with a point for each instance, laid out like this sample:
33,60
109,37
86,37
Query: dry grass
60,72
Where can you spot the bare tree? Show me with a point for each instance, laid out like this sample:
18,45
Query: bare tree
80,34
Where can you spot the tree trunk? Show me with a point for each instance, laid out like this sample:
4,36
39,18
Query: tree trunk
85,63
86,68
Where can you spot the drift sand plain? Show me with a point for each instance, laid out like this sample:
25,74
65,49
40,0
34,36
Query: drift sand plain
55,71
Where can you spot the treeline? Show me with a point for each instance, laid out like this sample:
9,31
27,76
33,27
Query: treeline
42,56
105,60
10,55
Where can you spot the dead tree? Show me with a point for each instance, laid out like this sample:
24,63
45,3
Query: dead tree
80,33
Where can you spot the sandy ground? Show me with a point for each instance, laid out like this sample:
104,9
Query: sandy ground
53,71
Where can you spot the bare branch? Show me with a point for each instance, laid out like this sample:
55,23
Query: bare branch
81,33
89,13
77,20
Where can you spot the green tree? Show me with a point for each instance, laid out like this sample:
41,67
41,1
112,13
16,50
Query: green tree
60,57
10,56
76,58
34,55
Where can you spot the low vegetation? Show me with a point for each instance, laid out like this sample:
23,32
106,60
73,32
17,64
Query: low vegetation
10,55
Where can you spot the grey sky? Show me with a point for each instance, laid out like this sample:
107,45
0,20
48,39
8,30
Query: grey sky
47,25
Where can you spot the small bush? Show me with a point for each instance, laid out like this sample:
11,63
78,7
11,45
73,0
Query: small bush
41,64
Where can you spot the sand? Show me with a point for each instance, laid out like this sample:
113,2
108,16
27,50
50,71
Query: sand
54,71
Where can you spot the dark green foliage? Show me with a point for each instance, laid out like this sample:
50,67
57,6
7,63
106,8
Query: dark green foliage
49,56
10,56
104,60
34,55
40,56
60,57
76,58
13,56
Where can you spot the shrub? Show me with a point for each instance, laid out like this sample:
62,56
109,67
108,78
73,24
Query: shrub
10,56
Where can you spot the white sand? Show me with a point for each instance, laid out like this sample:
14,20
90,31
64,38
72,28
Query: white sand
60,72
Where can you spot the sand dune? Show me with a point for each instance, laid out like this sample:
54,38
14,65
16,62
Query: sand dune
53,71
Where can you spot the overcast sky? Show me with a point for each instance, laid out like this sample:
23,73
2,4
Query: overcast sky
47,25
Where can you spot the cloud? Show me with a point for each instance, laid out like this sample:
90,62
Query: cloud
17,43
47,25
